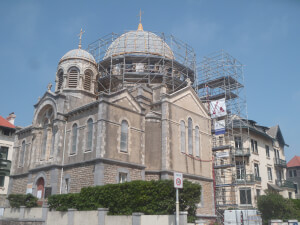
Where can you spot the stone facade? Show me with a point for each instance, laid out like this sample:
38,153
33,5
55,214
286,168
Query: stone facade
82,136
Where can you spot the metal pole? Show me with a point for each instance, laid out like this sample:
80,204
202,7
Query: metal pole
177,206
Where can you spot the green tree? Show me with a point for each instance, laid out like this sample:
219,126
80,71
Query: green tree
274,206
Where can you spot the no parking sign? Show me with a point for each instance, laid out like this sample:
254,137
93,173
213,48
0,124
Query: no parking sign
178,180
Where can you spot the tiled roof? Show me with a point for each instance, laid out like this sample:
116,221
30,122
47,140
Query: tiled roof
294,162
5,123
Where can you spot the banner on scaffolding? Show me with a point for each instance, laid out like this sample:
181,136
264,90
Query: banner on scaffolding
218,108
219,127
222,154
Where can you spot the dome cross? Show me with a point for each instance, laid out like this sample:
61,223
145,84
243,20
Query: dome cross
80,36
140,27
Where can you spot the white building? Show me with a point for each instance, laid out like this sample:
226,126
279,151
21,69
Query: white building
7,130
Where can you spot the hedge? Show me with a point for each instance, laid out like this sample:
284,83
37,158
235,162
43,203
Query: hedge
149,197
17,200
274,206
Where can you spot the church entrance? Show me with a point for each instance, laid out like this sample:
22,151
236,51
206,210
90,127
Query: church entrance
40,184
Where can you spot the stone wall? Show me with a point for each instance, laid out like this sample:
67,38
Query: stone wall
95,217
80,176
149,177
19,185
111,173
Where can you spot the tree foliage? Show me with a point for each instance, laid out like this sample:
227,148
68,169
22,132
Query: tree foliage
149,197
274,206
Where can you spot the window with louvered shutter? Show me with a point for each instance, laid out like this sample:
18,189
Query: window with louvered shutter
60,80
73,78
87,81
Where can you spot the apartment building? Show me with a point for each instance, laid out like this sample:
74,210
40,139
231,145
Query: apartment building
293,174
248,165
7,131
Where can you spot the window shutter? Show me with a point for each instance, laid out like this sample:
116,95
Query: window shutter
73,78
87,81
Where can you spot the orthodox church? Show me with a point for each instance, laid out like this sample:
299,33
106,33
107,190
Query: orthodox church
129,113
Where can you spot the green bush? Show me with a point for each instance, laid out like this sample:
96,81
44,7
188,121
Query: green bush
274,206
296,204
149,197
17,200
63,202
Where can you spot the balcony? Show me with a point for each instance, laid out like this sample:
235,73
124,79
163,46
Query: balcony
257,179
284,184
245,152
5,167
279,162
246,179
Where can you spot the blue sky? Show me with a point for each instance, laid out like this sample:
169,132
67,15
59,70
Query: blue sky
263,34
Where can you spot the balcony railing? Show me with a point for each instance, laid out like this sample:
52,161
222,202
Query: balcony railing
279,162
257,179
5,167
284,183
241,152
247,178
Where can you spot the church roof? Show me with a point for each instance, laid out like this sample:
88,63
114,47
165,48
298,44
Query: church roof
78,54
139,42
5,123
294,162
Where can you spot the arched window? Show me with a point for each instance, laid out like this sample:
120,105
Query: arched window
74,138
47,132
45,138
182,136
22,153
87,80
190,136
60,80
124,136
197,141
89,134
73,77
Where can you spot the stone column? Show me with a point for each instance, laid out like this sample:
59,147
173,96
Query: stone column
45,210
102,212
136,218
71,216
99,174
165,139
183,218
275,222
101,130
22,212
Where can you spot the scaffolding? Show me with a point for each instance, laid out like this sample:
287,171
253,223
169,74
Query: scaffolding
122,63
221,79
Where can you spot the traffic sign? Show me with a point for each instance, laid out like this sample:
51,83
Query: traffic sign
178,180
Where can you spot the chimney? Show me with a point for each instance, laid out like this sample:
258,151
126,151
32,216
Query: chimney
11,118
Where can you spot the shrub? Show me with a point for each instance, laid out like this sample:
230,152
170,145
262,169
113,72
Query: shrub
63,202
274,206
17,200
149,197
